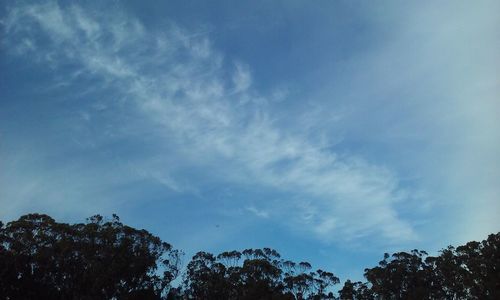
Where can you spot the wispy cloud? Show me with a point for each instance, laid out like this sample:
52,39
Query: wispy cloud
206,107
258,212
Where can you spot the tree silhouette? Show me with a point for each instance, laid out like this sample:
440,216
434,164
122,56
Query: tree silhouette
43,259
356,290
105,259
471,271
262,274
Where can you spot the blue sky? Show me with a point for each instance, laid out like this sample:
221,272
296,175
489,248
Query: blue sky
332,131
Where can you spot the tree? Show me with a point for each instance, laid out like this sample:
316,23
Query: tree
105,259
261,275
402,276
43,259
471,271
355,291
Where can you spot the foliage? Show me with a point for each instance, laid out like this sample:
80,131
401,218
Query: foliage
262,274
471,271
105,259
43,259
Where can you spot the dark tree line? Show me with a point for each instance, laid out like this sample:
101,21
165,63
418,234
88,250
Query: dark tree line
471,271
105,259
254,274
43,259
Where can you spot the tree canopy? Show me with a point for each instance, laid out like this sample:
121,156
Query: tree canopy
43,259
254,274
105,259
471,271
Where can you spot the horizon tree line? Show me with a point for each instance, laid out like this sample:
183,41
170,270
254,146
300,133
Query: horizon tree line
105,259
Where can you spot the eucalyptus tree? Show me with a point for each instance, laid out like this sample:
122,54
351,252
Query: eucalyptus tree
43,259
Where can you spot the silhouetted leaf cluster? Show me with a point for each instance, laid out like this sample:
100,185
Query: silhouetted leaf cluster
43,259
254,274
471,271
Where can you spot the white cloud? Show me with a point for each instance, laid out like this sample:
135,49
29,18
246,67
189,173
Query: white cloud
429,105
241,78
192,105
258,212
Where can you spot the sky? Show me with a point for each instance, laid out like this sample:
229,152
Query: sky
332,131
